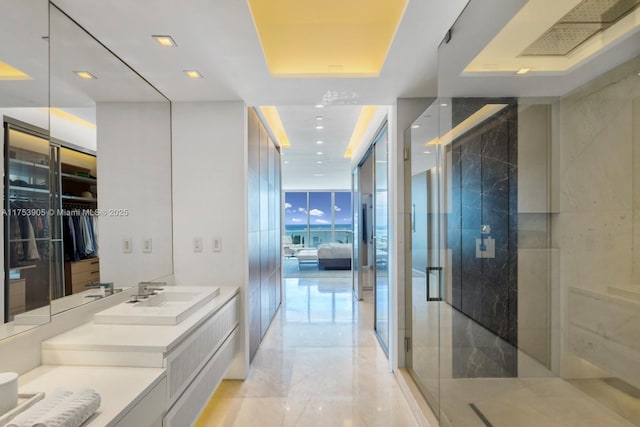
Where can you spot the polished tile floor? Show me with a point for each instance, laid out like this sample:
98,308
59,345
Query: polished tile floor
319,365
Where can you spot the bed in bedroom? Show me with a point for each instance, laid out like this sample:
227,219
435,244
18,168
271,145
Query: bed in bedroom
334,256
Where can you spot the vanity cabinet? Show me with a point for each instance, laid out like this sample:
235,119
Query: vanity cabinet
194,356
197,366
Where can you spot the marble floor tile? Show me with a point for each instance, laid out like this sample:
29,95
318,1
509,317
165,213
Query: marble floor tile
319,364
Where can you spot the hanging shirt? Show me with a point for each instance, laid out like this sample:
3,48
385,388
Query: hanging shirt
32,247
87,235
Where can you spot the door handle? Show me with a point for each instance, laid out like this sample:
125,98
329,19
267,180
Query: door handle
430,269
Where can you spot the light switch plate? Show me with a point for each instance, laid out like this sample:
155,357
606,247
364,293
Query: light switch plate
127,246
217,244
147,246
197,244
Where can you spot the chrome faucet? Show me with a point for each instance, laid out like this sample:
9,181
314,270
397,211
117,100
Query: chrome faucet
108,287
149,288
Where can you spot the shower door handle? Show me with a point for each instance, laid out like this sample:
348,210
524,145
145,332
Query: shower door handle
436,298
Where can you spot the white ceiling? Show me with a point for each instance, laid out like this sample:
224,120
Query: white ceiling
300,167
218,38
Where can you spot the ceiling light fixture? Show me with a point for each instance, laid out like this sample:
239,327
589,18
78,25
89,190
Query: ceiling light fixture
319,162
318,174
523,71
319,127
427,152
415,126
84,75
286,161
165,41
319,153
319,105
444,105
193,74
319,118
319,142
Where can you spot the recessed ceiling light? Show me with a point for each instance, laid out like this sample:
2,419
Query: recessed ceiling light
523,71
415,126
319,118
427,152
444,105
318,174
319,162
84,75
286,161
165,41
319,153
319,142
319,127
193,74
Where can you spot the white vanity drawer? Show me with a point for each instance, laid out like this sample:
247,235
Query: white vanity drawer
149,410
186,410
184,363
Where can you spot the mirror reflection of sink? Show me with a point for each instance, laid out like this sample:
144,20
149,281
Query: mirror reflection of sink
168,307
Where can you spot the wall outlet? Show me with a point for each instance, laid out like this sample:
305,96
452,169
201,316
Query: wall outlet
217,244
197,244
146,246
127,246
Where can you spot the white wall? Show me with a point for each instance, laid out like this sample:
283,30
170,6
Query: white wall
134,173
209,198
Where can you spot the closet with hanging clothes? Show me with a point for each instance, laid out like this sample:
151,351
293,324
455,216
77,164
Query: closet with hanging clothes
50,218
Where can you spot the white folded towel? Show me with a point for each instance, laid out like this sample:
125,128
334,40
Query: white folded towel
62,408
28,417
72,411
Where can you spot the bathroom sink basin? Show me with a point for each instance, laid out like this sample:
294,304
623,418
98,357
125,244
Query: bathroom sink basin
168,307
167,298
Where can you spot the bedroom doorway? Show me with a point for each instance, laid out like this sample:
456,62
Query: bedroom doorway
318,234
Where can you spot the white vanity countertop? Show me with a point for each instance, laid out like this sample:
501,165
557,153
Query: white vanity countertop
136,338
120,388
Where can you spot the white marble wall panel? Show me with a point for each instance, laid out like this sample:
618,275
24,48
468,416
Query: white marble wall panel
534,291
613,318
597,230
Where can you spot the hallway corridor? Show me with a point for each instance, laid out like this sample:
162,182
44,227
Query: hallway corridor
319,365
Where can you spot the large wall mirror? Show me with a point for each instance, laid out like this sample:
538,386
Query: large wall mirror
87,156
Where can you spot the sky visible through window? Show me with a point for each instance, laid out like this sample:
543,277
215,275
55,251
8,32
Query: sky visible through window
318,212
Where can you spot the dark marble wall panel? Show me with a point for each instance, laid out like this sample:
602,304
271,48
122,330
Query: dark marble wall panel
454,224
483,191
479,353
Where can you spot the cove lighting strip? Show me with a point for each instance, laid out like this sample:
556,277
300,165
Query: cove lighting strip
272,117
364,120
469,123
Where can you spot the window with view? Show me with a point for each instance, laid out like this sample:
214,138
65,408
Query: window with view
316,217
